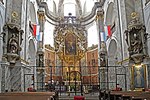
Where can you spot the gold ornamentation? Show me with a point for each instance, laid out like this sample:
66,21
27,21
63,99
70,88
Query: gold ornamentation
41,15
134,15
135,39
14,14
63,37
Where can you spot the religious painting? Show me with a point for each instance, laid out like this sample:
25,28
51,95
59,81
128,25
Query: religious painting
70,44
139,77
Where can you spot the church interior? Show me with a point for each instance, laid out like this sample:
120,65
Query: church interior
81,49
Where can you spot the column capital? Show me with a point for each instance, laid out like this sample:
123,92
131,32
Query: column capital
100,14
41,14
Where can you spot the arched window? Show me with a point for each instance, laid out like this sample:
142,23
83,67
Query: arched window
69,8
50,5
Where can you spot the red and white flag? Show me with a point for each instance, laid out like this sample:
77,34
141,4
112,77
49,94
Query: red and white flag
34,30
109,31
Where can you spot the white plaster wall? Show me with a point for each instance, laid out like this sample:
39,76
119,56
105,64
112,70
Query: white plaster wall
28,78
147,23
30,14
115,14
118,15
17,77
2,20
25,27
123,24
111,16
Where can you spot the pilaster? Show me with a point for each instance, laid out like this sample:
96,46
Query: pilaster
102,52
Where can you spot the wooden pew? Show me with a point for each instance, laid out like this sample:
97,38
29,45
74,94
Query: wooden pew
142,96
124,95
138,98
28,96
110,95
135,95
129,95
115,95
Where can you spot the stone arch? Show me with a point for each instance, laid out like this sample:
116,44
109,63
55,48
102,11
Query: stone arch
31,53
51,4
1,20
55,7
109,15
33,14
148,31
78,3
89,9
1,41
112,51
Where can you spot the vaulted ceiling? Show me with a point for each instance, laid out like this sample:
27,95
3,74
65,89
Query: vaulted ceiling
77,2
80,5
83,10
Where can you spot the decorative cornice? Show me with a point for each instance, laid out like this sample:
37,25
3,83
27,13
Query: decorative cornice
100,14
136,39
84,20
93,47
135,22
41,15
12,26
47,12
49,47
92,14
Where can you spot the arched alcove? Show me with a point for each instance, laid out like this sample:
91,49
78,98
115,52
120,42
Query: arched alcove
1,20
112,51
32,53
1,39
33,14
109,14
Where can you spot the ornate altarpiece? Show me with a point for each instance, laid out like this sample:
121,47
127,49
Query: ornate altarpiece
136,38
70,43
12,39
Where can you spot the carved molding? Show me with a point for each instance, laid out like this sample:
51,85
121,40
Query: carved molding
41,15
135,38
12,38
85,20
73,37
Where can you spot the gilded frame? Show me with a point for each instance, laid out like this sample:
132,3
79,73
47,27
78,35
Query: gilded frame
138,77
70,44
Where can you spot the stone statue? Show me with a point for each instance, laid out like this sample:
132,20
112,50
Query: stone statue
136,44
13,45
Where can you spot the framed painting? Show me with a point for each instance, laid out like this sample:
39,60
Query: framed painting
70,44
139,79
